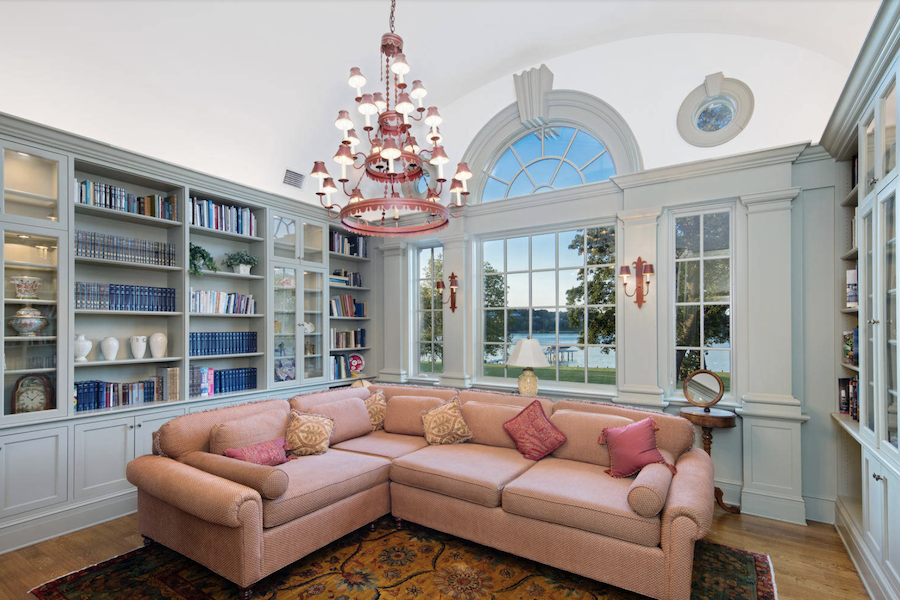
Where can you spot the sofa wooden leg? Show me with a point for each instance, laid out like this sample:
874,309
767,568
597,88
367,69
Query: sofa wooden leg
147,541
372,527
245,593
399,523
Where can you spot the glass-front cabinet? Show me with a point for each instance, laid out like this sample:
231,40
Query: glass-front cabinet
284,324
314,248
298,324
33,356
284,237
313,325
33,183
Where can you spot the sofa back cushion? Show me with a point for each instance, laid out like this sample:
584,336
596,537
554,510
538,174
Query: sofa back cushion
675,434
190,433
503,398
351,418
430,391
582,431
404,414
241,433
306,402
486,420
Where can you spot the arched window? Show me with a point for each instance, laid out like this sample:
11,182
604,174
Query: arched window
550,158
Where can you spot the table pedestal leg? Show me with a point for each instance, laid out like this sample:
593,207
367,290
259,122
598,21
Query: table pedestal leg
707,445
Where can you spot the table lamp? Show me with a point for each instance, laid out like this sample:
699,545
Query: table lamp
528,354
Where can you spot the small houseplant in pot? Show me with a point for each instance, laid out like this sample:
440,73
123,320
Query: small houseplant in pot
241,261
201,259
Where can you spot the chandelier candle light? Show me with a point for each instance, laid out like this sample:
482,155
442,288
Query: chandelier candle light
395,161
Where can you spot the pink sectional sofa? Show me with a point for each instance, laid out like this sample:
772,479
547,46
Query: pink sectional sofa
246,521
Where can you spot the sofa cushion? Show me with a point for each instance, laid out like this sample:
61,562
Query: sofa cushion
676,434
350,415
305,402
470,472
269,453
267,480
582,430
443,393
505,398
649,490
308,434
376,404
534,434
247,431
315,482
189,433
445,424
632,447
404,413
382,443
486,420
579,495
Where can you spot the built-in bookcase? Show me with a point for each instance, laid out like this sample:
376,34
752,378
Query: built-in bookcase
345,336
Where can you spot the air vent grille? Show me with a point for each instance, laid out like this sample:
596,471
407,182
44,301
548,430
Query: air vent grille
294,179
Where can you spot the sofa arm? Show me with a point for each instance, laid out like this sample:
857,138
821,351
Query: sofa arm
270,482
690,494
191,490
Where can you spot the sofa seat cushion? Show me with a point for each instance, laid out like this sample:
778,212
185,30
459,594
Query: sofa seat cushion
470,472
317,481
579,495
382,443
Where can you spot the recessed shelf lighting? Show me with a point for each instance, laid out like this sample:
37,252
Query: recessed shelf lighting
24,154
24,237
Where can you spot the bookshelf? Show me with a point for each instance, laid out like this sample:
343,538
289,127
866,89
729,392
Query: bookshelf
349,280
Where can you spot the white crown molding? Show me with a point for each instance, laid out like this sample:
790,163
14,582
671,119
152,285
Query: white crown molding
700,168
555,197
770,201
813,153
393,249
875,58
639,216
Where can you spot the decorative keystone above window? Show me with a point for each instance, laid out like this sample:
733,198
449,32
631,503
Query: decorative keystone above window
715,112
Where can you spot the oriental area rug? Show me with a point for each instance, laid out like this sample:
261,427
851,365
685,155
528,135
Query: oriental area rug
414,562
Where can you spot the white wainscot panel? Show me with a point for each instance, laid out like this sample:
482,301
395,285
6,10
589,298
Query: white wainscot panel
33,470
770,444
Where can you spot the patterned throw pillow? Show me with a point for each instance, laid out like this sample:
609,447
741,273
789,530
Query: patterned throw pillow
632,447
269,453
445,424
308,434
377,406
535,436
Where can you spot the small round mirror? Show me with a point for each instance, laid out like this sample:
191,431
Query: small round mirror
703,388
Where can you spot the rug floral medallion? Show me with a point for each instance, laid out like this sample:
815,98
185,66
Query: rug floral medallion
414,562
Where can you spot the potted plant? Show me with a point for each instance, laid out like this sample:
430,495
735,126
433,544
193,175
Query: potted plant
200,259
241,261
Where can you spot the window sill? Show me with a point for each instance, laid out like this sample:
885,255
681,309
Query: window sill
601,393
724,404
420,380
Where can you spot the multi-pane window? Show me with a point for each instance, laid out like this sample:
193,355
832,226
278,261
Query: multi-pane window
429,316
549,158
558,288
703,314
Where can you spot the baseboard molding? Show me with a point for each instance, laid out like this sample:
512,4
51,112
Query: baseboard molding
27,532
731,491
819,509
770,506
862,559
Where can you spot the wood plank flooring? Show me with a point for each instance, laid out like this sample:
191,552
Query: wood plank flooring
810,562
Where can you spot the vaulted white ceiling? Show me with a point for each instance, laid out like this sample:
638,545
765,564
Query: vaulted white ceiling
245,89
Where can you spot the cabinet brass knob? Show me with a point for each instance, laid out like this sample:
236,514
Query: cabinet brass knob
138,424
877,477
131,427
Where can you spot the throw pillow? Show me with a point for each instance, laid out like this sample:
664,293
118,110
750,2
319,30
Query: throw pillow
308,434
534,434
361,383
269,453
351,419
240,433
632,447
445,424
377,407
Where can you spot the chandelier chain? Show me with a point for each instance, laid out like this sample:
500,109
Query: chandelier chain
393,6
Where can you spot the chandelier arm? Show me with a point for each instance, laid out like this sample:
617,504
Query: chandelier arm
458,210
412,118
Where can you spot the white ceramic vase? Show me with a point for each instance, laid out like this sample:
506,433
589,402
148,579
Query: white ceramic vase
109,347
138,345
82,347
158,343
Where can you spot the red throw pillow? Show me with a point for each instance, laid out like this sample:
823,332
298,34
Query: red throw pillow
632,447
535,436
269,453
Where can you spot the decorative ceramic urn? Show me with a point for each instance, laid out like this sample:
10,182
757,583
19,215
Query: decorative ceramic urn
158,343
28,321
110,348
138,345
82,347
26,287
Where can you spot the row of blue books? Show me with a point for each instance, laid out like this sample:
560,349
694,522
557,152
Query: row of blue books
212,343
340,367
104,195
92,395
90,244
115,296
345,306
343,277
206,381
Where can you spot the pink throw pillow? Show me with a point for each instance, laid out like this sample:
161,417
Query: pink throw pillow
269,453
632,447
535,436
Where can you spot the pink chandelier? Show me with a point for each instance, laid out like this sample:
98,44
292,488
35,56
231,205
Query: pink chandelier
395,161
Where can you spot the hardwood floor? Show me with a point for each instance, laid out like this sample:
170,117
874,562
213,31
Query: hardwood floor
810,562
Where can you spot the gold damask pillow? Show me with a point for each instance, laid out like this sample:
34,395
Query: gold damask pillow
377,407
445,424
308,434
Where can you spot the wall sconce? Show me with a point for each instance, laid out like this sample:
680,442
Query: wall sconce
642,271
454,285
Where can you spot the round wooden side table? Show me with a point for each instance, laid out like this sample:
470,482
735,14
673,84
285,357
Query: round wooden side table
709,419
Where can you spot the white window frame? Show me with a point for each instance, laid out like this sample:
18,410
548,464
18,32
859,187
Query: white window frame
417,310
510,382
736,303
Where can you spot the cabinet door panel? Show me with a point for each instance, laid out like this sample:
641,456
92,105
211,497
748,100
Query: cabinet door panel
892,533
102,450
873,517
146,425
33,469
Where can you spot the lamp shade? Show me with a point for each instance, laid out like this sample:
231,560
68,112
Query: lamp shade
528,353
648,269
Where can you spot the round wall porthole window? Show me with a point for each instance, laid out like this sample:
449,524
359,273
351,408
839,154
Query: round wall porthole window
715,112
